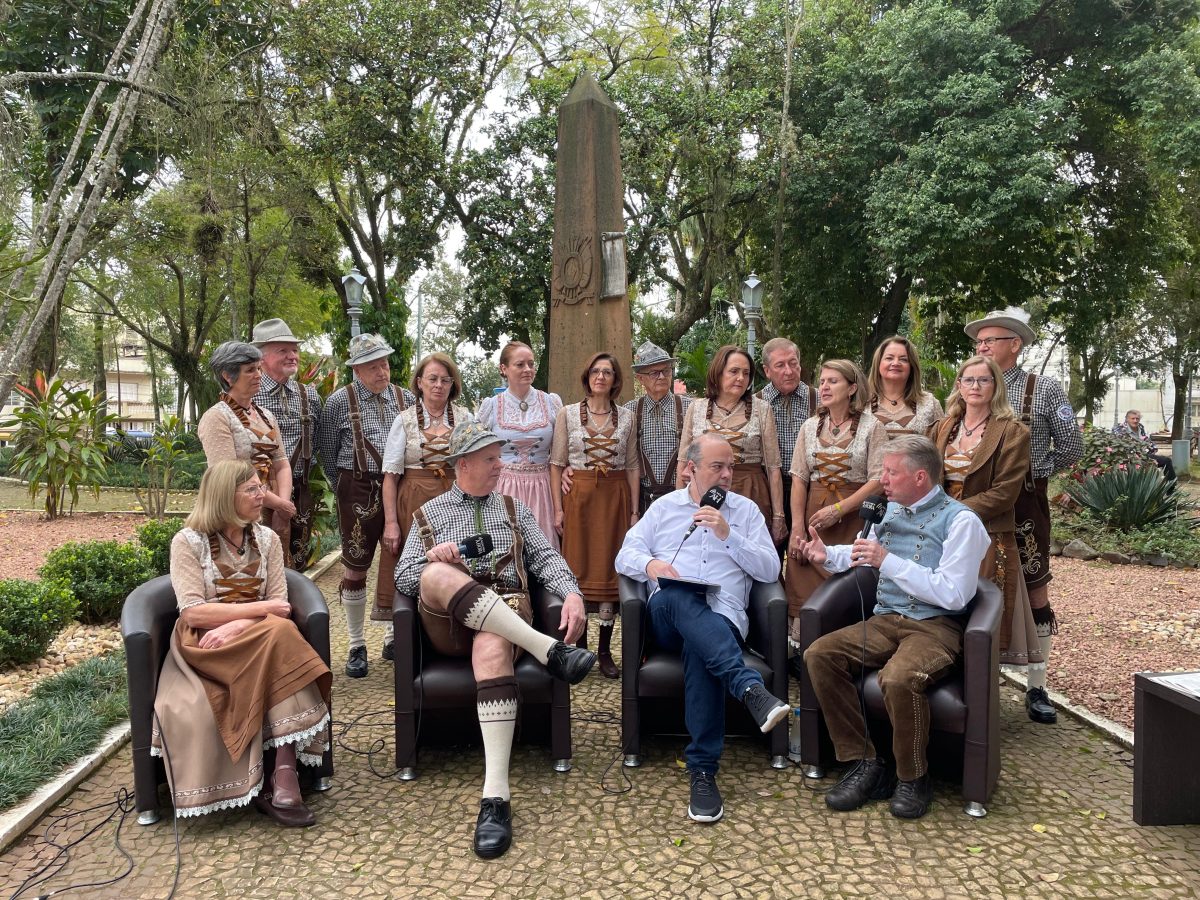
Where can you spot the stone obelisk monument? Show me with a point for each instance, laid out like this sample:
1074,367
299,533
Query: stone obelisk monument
589,308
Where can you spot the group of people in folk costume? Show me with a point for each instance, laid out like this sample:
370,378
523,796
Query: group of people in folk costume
806,456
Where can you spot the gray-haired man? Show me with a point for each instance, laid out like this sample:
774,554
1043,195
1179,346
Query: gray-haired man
351,440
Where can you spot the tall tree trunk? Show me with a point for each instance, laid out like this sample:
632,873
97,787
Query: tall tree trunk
1181,380
155,398
99,382
887,322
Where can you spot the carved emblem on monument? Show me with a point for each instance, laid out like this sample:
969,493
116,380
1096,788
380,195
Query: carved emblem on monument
572,282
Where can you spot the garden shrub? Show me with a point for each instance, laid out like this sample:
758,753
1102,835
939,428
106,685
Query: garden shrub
156,536
1104,451
1128,497
31,614
101,574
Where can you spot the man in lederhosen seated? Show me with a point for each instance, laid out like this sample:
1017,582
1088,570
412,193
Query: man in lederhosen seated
480,606
658,418
297,409
353,433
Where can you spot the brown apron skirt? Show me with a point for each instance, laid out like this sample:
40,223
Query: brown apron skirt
802,577
750,480
595,518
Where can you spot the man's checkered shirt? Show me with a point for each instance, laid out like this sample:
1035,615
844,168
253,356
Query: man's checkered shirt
1054,437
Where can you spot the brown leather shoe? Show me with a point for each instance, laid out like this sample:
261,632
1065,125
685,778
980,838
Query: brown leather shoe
285,788
290,817
608,668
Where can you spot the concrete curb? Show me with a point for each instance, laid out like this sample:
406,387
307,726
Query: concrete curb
19,819
1110,729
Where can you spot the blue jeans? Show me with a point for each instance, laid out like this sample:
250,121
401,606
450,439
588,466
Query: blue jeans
712,664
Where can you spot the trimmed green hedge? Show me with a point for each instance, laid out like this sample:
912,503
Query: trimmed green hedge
101,573
31,614
156,536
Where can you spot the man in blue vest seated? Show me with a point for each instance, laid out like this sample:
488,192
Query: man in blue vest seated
928,550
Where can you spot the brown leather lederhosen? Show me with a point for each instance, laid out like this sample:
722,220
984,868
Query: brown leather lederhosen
785,472
1032,509
444,633
360,508
647,495
301,532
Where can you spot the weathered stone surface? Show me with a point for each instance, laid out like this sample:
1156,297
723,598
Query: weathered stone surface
588,201
1113,556
1077,549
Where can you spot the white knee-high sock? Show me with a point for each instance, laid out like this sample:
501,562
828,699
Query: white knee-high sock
482,609
496,703
1037,671
354,601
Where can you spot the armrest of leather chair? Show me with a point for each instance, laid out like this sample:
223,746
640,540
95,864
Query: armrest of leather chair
632,595
835,604
406,627
547,610
147,621
981,654
309,612
768,617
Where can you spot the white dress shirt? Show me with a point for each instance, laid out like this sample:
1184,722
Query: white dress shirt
747,555
952,584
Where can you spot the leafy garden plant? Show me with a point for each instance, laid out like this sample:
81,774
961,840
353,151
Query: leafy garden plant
101,574
156,536
1128,497
1104,451
31,614
60,442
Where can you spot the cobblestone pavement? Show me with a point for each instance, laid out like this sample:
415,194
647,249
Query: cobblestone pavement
1059,825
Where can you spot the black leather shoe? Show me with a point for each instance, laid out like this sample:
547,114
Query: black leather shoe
911,799
866,780
493,828
1039,707
569,663
356,664
796,667
389,650
608,666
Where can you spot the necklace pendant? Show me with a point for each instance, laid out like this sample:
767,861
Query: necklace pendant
894,402
524,406
836,430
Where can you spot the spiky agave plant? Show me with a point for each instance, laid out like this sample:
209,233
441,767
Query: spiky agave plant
1131,498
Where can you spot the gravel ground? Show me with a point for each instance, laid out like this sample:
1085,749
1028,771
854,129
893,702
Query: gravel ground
26,538
1117,620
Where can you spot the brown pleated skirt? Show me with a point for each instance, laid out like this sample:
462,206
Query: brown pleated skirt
750,480
801,577
1018,634
417,487
595,519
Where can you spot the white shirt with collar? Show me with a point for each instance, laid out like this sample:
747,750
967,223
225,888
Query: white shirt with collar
747,555
952,584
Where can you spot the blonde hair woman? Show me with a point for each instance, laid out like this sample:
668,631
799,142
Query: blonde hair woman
835,467
986,454
239,678
894,387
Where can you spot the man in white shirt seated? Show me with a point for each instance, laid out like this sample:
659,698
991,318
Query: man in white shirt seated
928,551
731,548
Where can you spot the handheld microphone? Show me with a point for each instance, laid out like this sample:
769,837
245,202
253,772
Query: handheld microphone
714,497
475,546
872,512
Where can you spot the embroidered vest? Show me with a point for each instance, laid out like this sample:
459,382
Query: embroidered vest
918,536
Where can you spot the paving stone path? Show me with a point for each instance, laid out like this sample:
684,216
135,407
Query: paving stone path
1059,825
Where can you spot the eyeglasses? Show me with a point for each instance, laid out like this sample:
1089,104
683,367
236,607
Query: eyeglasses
436,379
989,341
601,373
656,374
980,381
255,490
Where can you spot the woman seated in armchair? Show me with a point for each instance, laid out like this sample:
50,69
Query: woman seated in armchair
239,678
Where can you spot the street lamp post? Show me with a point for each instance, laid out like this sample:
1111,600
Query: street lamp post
752,291
353,284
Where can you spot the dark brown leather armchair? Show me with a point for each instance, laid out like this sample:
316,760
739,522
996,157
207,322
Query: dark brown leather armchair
147,620
652,678
435,694
964,734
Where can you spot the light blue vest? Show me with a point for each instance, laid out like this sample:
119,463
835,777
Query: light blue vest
918,536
